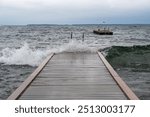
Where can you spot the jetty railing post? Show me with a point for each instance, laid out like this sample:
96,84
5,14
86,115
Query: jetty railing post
71,35
83,37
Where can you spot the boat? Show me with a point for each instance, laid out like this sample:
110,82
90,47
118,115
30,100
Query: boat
103,32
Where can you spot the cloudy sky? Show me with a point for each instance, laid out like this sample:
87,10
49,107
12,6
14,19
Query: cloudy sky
74,11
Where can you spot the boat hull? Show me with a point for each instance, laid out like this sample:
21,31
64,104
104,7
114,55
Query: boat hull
103,32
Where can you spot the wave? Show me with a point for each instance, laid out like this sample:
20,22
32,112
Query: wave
133,65
133,56
25,55
75,46
22,56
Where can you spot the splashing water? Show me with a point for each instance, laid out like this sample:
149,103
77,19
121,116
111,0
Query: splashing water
27,56
22,56
74,46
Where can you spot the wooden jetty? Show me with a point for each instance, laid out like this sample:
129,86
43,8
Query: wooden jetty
103,32
73,76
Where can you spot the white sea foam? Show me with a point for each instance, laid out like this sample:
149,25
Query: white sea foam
73,46
27,56
22,56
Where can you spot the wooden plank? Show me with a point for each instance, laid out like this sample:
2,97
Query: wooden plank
72,76
75,97
73,90
27,82
73,66
66,81
130,94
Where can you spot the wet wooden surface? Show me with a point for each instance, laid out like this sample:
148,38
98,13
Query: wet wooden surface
74,76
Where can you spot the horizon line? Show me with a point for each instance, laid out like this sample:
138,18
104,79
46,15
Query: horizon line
76,24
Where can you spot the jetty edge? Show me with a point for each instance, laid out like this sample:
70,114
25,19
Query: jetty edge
18,92
124,87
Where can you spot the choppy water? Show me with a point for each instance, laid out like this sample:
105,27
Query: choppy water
22,48
133,64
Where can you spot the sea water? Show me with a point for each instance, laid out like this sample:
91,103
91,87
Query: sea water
23,48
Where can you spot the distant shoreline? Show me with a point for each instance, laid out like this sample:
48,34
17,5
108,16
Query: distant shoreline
65,24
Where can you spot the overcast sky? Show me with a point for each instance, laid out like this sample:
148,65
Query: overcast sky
74,11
